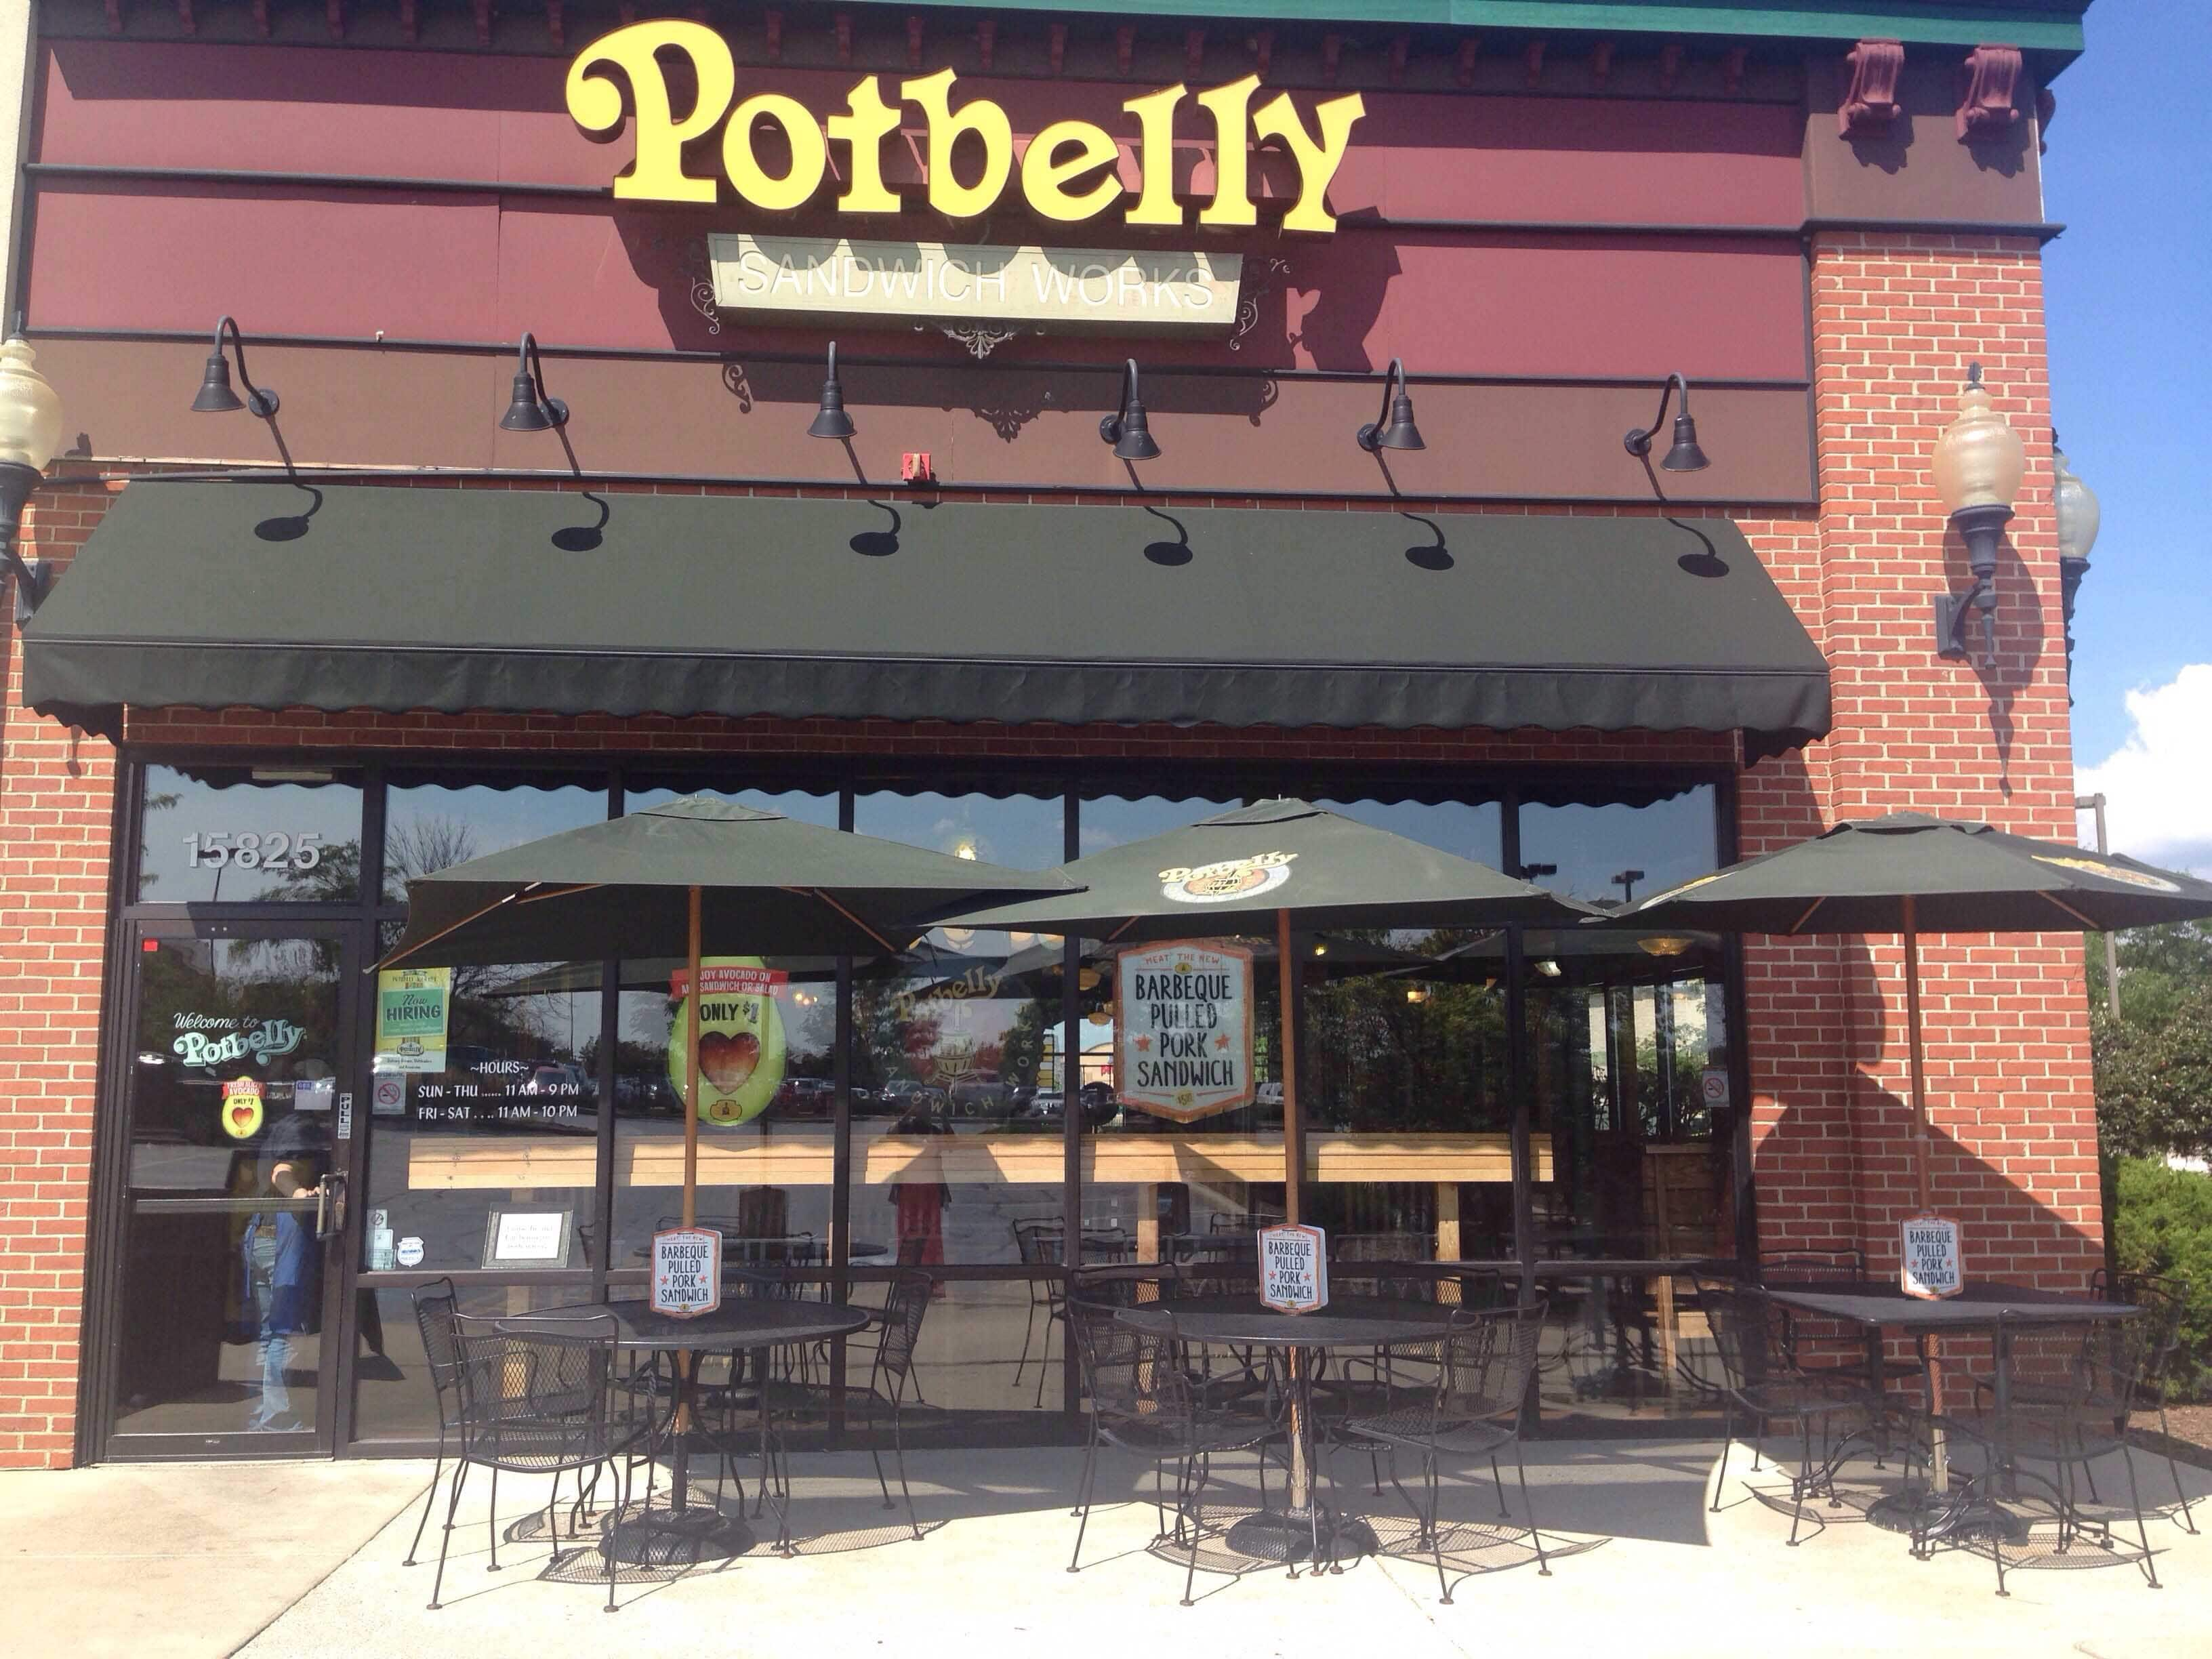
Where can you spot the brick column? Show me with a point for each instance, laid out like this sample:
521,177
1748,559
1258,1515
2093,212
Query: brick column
1897,317
57,795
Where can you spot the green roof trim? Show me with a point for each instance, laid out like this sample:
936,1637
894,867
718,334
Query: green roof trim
2032,25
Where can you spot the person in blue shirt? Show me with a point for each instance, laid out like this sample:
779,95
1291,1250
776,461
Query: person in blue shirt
282,1261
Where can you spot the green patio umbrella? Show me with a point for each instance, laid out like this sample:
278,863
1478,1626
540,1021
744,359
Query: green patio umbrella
1257,869
1909,873
662,881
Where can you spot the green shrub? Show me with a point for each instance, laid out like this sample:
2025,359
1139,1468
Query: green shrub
2162,1223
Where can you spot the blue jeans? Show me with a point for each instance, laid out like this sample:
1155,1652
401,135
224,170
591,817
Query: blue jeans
273,1409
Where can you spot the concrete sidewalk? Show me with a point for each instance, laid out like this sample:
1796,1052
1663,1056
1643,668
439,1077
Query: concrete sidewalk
196,1560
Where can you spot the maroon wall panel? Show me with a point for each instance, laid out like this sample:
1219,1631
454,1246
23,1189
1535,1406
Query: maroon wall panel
434,115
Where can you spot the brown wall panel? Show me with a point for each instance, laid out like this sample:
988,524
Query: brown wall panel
1919,170
991,426
459,267
1415,155
353,262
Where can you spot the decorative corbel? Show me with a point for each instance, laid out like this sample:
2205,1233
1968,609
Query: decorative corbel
1601,62
986,42
2046,112
115,16
185,19
1263,50
334,18
1533,60
261,17
556,25
1125,47
1331,57
772,34
484,22
1670,65
1870,100
1989,83
410,24
1056,48
1469,50
627,11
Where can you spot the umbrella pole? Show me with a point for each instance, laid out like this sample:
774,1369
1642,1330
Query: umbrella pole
1939,1459
1293,1142
691,1078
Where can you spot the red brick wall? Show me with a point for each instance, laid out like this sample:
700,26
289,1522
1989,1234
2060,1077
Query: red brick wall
56,791
1897,317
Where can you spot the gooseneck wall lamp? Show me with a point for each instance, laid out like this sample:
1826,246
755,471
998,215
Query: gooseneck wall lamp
831,421
215,397
528,408
2078,516
1977,468
30,432
1127,429
1393,428
1683,455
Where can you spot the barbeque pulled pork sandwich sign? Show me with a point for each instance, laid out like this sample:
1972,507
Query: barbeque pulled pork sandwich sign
1930,1267
1183,1025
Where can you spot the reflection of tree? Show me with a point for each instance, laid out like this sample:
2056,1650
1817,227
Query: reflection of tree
1021,1051
156,803
895,1038
1382,1062
422,847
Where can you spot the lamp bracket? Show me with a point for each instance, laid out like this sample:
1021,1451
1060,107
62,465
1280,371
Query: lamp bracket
17,481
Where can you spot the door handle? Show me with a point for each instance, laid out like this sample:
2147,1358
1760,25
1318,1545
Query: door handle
330,1207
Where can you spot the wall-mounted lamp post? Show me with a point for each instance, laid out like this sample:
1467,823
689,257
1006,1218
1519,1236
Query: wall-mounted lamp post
831,421
2078,520
1683,455
528,408
30,432
1127,429
215,396
1393,428
1977,468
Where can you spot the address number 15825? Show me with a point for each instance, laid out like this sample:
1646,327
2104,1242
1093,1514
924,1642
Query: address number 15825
251,849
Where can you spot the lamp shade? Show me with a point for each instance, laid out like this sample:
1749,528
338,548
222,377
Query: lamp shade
2078,512
215,396
525,413
30,412
1684,455
1979,460
1133,442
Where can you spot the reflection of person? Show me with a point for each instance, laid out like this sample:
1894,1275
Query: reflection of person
920,1205
282,1261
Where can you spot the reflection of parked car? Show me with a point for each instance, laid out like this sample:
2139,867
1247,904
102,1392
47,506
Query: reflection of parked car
806,1097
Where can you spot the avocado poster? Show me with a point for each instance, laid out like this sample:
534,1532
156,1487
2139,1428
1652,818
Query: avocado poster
741,1042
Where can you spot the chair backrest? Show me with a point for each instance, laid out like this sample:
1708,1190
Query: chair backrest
1125,1284
1844,1265
2085,1368
435,1308
550,1377
1129,1376
1749,1330
1435,1281
2161,1297
1488,1359
904,1305
1040,1243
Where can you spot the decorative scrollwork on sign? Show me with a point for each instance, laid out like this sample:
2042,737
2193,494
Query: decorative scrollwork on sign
981,342
1257,289
700,272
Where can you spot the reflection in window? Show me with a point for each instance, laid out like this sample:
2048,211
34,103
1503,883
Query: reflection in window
508,1123
766,1126
800,804
1618,852
210,835
1466,829
431,827
1107,821
1024,831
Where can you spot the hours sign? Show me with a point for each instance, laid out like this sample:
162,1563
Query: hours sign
1184,1030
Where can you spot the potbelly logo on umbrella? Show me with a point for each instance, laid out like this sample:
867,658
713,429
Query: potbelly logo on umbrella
1231,878
241,1108
2111,872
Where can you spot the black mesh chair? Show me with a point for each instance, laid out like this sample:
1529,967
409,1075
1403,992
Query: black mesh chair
1466,1404
1125,1284
1763,1382
1149,1394
2162,1299
1816,1343
2059,1399
435,1308
535,1400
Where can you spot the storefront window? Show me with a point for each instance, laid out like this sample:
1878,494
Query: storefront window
487,1156
805,806
430,827
231,836
1616,851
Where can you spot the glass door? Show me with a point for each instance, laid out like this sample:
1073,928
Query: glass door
224,1337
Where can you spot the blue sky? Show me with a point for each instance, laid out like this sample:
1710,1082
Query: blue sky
2128,291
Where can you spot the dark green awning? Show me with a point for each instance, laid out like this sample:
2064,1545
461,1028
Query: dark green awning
390,597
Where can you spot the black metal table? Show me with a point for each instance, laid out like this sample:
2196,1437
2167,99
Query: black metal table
685,1534
1932,1511
1305,1527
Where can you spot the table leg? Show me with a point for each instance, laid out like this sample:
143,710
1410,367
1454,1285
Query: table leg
681,1535
1306,1529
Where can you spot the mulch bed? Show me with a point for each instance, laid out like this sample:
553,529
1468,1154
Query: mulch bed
2190,1438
